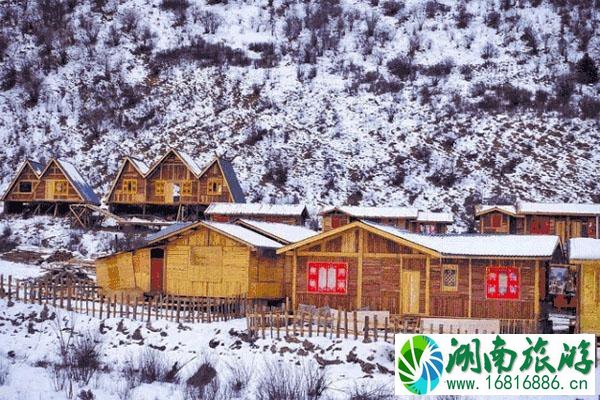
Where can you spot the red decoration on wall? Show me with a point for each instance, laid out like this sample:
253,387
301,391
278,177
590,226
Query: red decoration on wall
502,283
327,277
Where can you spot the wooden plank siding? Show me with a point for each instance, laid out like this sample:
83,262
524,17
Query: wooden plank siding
282,219
54,186
27,175
123,192
385,263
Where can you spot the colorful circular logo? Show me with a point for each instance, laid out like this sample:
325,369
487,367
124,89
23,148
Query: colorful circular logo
420,364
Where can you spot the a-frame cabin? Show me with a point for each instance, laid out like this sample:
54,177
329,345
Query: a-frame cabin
174,185
21,189
53,189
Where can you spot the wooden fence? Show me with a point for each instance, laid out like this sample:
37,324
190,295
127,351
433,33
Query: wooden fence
275,322
86,298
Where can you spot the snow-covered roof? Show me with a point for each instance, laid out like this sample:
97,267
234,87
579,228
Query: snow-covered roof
232,181
278,231
37,167
244,234
191,163
80,184
479,245
294,210
524,207
141,166
584,249
486,208
439,217
236,231
373,212
169,230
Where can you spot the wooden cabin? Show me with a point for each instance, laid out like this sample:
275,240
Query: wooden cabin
52,188
400,217
198,259
566,220
363,265
585,254
293,214
431,222
175,184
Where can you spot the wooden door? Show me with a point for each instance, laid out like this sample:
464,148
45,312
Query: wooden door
49,189
169,193
411,290
157,262
589,293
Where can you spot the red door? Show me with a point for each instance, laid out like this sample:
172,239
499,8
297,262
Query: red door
157,257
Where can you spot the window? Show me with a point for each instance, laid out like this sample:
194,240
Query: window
60,187
540,225
496,220
129,186
502,283
214,186
449,278
327,277
159,188
25,187
186,189
429,229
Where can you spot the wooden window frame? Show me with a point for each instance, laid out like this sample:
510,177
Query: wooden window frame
159,188
25,181
496,217
209,186
127,183
66,187
446,288
186,188
341,275
505,269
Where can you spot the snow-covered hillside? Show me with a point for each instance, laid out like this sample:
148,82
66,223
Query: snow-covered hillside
432,103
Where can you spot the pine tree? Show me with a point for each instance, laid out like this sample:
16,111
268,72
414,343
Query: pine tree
586,71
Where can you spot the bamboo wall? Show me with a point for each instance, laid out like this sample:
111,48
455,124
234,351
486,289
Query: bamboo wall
26,175
202,263
589,293
121,194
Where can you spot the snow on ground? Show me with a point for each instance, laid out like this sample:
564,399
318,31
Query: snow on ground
28,344
48,234
19,270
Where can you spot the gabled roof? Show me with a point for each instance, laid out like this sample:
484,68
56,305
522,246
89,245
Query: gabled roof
235,232
35,166
140,166
524,207
488,208
230,177
251,209
584,249
82,187
453,246
189,162
283,233
372,212
439,217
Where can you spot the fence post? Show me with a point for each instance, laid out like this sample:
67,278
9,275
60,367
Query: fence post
277,324
150,307
310,324
17,283
101,306
385,329
366,330
338,323
355,323
375,326
9,287
178,309
262,322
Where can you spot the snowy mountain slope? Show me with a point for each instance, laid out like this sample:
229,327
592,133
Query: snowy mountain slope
436,104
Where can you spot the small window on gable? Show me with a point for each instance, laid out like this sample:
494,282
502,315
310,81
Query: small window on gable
215,186
129,186
159,188
60,187
449,278
186,188
25,187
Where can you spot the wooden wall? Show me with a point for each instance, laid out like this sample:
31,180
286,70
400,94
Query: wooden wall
201,263
335,220
589,293
26,175
46,189
213,174
402,280
121,193
563,226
